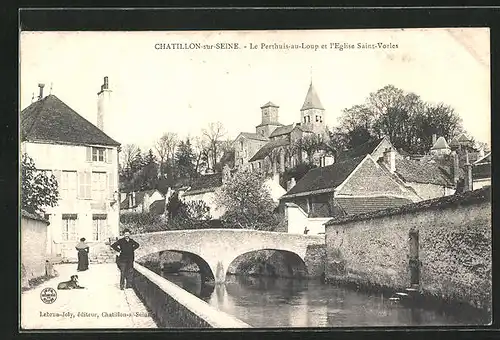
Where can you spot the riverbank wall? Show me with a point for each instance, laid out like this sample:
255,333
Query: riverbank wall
173,307
452,247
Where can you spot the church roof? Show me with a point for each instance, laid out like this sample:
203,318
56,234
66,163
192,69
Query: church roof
282,130
51,120
312,100
440,144
269,104
266,149
256,136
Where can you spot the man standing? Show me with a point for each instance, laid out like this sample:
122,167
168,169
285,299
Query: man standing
126,246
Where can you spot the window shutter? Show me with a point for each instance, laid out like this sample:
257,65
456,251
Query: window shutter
88,180
111,185
81,188
89,154
109,155
57,174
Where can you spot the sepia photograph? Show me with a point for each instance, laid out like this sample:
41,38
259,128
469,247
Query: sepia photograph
255,179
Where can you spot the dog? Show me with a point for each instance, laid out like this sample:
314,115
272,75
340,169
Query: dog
71,284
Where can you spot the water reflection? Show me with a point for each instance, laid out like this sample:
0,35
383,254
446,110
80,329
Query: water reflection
282,302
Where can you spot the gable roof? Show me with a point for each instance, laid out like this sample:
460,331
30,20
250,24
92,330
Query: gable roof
157,207
282,130
423,172
361,150
325,178
266,149
440,144
51,120
255,136
312,100
361,205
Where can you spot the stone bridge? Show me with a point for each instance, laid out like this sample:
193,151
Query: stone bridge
213,250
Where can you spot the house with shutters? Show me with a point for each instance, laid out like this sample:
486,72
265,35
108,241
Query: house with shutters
84,160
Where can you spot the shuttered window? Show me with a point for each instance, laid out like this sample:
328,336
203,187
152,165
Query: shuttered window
99,186
99,227
85,185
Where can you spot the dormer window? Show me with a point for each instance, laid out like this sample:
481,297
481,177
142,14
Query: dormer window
98,154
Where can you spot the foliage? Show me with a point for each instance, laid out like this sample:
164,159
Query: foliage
38,190
143,222
405,118
246,201
185,160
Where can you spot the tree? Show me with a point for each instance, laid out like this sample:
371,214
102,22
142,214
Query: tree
213,135
246,201
165,148
185,160
128,156
201,154
38,190
405,118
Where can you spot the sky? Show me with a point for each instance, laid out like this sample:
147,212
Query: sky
183,90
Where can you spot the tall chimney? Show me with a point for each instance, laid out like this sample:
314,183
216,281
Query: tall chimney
104,110
434,138
41,86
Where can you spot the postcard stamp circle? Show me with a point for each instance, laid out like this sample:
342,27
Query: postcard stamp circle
48,295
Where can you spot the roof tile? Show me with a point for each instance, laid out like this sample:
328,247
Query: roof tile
51,120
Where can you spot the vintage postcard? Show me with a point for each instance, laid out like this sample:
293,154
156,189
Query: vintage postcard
255,179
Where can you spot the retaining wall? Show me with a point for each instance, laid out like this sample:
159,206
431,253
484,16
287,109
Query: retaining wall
454,248
173,307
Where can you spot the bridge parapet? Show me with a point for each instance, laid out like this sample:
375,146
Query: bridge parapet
219,247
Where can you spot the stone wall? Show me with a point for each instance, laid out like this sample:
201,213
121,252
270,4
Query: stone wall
33,247
173,307
454,248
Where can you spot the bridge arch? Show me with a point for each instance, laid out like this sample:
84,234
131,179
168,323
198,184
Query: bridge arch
206,272
290,264
219,247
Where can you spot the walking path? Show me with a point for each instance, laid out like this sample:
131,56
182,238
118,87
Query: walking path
101,305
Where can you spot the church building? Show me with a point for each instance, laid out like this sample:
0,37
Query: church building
275,147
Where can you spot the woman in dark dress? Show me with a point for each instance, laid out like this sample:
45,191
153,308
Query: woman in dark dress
83,255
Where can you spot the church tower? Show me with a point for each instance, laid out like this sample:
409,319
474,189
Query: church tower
312,114
269,120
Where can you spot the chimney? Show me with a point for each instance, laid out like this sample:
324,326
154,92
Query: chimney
291,183
434,138
104,111
133,198
41,86
468,176
456,168
390,159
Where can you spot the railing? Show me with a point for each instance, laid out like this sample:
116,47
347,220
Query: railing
173,307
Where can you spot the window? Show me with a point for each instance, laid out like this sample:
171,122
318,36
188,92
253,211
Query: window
68,184
99,227
305,119
308,119
98,186
98,154
69,227
260,165
241,144
317,118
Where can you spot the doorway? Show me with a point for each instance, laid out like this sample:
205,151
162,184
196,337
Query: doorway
414,261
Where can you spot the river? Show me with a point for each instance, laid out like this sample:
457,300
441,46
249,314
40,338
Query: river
282,302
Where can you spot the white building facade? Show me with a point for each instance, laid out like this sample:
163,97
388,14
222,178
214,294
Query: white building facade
84,161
